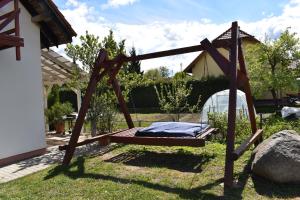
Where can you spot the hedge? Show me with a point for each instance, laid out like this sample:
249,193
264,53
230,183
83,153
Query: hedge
143,97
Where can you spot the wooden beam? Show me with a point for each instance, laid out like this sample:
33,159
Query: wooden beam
11,41
9,18
230,137
4,2
84,107
247,88
172,52
223,62
122,103
246,144
8,32
41,17
88,141
51,66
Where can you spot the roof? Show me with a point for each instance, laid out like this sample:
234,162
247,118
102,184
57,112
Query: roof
55,29
56,68
224,36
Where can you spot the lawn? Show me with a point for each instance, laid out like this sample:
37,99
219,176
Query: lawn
140,172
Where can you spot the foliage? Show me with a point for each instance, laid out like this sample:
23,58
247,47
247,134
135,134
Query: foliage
55,113
275,124
173,97
274,65
164,71
134,66
103,102
143,96
153,75
219,120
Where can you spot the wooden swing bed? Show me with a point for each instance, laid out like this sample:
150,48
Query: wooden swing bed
238,78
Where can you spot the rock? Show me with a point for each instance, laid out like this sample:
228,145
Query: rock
278,158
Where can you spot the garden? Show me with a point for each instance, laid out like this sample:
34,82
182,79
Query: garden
152,172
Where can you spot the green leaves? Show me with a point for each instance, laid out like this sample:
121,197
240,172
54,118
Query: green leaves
274,64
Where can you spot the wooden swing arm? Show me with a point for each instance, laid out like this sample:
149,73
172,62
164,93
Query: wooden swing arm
223,63
102,56
247,88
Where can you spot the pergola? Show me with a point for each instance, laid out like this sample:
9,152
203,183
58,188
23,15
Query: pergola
56,69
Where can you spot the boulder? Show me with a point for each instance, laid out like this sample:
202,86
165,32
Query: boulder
278,158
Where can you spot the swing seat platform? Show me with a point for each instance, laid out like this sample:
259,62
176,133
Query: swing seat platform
128,137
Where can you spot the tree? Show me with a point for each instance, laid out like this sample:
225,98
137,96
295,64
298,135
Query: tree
134,66
173,97
153,74
103,103
274,65
164,72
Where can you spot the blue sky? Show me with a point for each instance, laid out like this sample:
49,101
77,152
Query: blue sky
219,11
154,25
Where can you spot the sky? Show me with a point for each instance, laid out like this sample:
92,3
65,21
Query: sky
155,25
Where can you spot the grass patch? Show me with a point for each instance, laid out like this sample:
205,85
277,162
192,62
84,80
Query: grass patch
140,172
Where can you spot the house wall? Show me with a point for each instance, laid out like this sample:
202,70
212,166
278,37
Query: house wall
206,66
21,101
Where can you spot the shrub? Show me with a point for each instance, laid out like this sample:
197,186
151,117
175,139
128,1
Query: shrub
219,120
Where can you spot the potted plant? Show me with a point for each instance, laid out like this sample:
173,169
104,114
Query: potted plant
56,113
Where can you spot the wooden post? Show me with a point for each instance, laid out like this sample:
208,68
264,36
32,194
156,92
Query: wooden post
17,28
84,107
122,103
229,162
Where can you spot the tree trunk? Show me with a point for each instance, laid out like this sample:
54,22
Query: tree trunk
93,127
275,99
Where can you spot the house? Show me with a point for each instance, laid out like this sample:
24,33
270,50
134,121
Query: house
204,66
35,25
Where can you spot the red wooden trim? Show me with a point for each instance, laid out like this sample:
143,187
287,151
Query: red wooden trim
8,32
9,19
229,163
246,144
10,40
84,107
4,2
17,28
6,15
22,156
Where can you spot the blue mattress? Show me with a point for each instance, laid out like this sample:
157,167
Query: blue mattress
172,129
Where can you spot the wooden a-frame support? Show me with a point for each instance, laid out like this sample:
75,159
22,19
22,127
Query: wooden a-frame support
238,77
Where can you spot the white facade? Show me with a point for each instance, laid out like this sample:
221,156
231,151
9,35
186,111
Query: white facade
22,127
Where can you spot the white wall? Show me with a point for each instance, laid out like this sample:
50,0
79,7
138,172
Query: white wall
21,94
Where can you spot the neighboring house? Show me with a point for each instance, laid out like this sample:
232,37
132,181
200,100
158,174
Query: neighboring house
41,25
204,66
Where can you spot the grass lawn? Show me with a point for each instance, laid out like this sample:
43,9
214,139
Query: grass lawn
139,172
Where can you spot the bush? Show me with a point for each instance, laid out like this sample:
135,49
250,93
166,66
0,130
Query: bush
219,120
57,111
274,124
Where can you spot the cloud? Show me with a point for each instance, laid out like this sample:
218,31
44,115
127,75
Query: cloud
163,35
117,3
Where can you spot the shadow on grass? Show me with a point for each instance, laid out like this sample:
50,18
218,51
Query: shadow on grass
77,171
271,189
194,193
180,161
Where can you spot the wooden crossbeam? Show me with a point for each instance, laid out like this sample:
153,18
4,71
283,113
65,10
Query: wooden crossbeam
10,40
246,144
